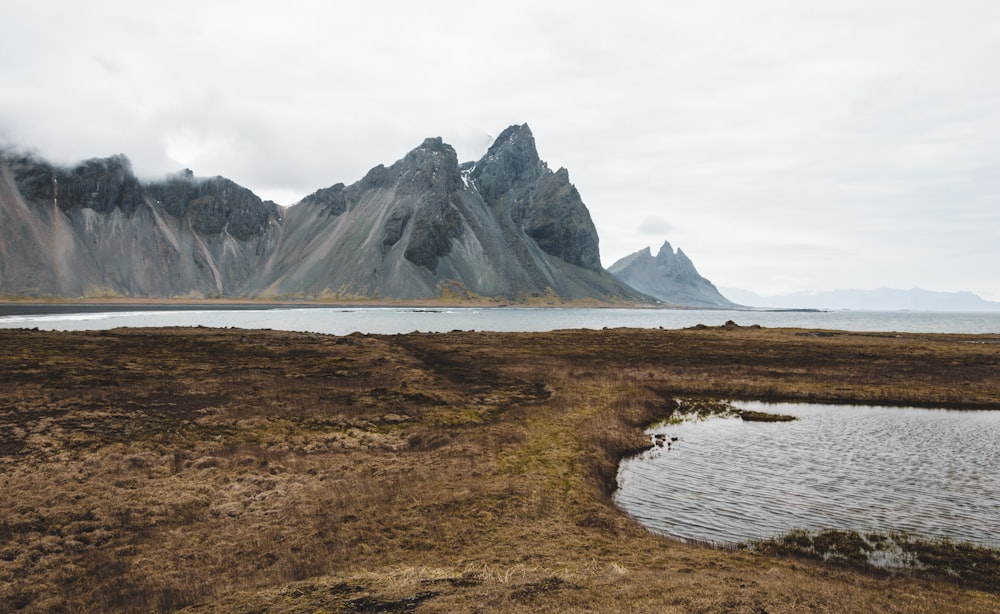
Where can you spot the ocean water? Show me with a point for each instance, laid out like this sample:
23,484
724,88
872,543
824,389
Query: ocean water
924,471
392,320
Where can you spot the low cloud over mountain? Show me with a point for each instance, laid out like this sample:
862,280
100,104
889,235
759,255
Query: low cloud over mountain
424,227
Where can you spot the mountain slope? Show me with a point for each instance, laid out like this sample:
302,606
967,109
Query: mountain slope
96,230
669,277
426,226
503,226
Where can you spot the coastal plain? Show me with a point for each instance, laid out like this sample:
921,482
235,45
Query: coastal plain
228,470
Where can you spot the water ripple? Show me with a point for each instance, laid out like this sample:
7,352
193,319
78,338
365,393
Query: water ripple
929,472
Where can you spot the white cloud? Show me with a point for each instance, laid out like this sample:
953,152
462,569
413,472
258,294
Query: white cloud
654,225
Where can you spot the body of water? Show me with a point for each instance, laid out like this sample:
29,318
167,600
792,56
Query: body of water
392,320
923,471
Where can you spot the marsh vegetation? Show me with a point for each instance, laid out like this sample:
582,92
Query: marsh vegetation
234,470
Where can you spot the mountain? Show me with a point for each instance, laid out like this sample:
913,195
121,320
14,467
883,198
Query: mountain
881,299
669,277
503,226
425,227
97,230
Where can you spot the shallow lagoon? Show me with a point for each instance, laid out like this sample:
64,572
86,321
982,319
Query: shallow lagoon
923,471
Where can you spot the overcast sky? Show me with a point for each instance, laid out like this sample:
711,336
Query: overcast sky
784,145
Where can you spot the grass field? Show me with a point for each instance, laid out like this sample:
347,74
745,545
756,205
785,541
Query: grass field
211,470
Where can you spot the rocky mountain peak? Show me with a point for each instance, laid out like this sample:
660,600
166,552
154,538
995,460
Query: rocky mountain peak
101,184
432,165
214,204
517,138
332,199
676,262
675,265
514,182
433,148
509,164
670,277
504,225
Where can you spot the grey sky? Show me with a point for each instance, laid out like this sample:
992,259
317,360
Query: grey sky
783,145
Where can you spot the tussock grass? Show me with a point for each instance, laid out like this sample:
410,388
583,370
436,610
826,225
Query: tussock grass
224,470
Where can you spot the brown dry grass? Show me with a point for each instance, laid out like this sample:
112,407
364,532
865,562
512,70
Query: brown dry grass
225,470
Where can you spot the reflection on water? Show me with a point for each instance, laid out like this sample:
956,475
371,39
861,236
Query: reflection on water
929,472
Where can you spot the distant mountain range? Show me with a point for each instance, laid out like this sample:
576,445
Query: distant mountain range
669,277
880,299
425,227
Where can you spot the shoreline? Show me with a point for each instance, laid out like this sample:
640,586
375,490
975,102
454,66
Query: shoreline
32,307
17,308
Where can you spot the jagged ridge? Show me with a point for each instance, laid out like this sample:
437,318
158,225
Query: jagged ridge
670,277
503,226
96,229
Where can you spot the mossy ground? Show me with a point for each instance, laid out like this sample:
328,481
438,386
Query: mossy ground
224,470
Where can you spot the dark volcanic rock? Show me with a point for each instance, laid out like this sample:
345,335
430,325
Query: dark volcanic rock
504,226
378,177
510,166
394,226
100,184
215,205
96,230
429,175
435,227
516,183
559,222
35,180
332,199
176,193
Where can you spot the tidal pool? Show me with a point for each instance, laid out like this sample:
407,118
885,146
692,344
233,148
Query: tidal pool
933,473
